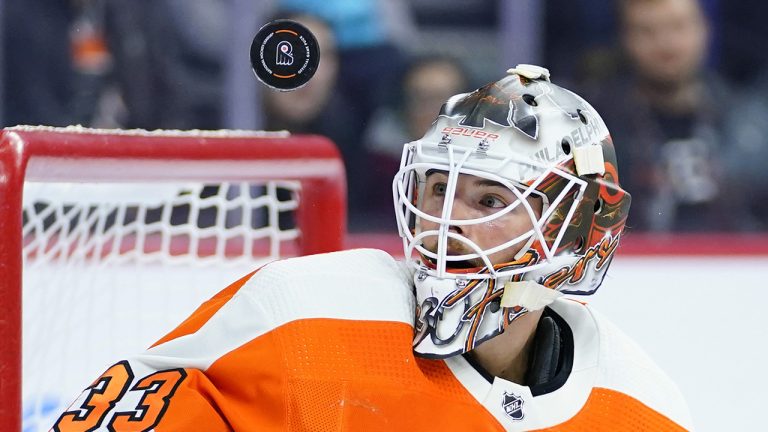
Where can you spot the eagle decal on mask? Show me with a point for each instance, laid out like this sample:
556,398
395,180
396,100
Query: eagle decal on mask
488,104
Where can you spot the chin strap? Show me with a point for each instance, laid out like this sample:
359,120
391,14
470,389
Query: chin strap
528,294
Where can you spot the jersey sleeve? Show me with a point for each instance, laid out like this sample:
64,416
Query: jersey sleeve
246,358
133,395
164,400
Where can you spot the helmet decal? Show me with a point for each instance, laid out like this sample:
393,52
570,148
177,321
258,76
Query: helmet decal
509,102
598,255
468,315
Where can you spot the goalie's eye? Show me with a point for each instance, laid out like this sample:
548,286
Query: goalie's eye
439,189
492,201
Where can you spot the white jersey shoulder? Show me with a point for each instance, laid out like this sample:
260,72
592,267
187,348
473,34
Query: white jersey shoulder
625,367
603,357
363,284
620,364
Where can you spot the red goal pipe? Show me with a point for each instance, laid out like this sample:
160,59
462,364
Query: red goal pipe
85,155
13,161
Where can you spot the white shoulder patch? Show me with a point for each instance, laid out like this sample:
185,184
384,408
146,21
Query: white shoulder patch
364,284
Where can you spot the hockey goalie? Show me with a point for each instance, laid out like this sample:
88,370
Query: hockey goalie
508,207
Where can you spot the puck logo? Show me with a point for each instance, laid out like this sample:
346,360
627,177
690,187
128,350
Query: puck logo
284,55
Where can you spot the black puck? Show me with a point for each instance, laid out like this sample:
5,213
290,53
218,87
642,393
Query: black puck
284,55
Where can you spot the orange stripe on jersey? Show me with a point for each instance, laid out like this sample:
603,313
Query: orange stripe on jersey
332,374
205,311
612,411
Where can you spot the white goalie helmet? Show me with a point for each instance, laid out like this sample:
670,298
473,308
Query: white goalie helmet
549,156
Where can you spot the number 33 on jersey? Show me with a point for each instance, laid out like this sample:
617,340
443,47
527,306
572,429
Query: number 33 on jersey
153,393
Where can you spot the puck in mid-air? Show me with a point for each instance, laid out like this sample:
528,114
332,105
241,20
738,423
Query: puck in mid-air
284,55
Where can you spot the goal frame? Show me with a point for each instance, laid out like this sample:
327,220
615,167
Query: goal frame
76,154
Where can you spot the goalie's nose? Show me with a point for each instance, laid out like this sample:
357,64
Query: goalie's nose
460,211
463,210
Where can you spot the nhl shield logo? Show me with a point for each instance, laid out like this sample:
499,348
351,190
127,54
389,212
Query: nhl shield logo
513,406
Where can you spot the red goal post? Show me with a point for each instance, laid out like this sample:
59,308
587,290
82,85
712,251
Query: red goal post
81,155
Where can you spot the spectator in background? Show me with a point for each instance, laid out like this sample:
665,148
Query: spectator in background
38,73
368,39
426,83
747,131
667,115
318,108
369,35
306,110
742,25
92,62
580,40
168,61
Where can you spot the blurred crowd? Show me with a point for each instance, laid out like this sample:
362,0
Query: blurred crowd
681,84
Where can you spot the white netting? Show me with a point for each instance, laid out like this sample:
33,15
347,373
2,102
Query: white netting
162,223
110,268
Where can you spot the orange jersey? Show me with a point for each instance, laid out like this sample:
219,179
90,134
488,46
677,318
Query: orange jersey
323,343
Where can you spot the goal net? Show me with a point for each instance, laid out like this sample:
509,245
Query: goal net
119,235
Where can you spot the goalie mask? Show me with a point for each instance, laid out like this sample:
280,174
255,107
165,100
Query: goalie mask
510,200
